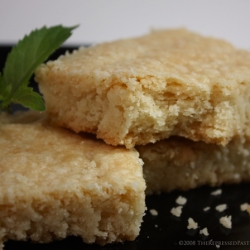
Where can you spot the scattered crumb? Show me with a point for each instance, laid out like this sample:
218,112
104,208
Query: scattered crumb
244,207
216,192
204,231
226,221
156,225
221,207
181,200
206,209
192,224
153,212
217,246
176,211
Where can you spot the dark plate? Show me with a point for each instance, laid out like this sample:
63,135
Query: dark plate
165,231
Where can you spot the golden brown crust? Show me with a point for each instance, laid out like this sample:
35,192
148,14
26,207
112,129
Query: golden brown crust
55,183
142,90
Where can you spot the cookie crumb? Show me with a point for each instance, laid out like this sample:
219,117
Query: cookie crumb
153,212
244,207
176,211
204,231
226,221
217,192
181,200
221,207
192,224
206,209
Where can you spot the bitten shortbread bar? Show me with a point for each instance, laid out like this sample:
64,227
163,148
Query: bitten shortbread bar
181,164
145,89
55,183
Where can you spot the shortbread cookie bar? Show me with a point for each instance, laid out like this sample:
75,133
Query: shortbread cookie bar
141,90
56,183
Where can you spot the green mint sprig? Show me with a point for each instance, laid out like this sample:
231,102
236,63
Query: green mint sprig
21,63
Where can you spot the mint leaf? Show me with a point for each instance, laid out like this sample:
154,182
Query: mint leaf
24,58
29,99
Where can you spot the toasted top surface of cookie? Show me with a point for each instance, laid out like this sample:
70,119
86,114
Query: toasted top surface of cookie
177,54
39,158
